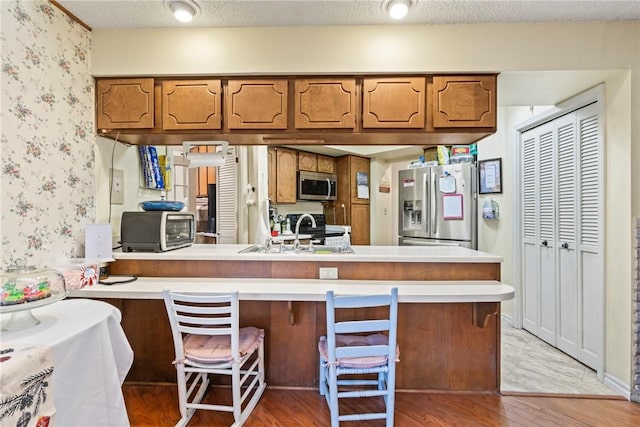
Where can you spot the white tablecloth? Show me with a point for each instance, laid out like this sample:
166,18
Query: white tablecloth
91,357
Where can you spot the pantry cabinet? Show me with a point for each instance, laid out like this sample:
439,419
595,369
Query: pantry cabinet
352,205
125,103
394,102
257,104
191,104
325,103
464,101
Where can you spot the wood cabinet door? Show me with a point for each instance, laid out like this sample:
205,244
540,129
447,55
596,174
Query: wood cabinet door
358,165
464,101
360,233
286,175
307,161
397,102
326,164
325,103
256,104
273,177
124,103
191,104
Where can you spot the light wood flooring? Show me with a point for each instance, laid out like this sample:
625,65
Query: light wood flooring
531,365
157,406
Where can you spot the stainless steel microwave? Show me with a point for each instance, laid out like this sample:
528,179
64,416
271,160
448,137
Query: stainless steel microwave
316,186
156,231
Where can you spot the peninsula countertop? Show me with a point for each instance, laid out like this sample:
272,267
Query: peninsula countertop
260,289
440,254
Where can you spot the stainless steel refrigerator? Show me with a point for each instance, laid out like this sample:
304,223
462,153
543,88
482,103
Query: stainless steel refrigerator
438,205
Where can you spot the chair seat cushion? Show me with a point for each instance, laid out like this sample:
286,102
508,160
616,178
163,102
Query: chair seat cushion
217,348
353,341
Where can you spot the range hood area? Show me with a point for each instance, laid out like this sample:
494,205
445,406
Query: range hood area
327,110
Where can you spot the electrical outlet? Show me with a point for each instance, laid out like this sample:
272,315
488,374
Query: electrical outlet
328,273
117,186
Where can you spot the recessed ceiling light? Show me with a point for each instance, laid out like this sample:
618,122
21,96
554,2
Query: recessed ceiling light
183,10
398,9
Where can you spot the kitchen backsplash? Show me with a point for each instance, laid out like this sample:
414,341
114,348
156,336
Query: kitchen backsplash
47,143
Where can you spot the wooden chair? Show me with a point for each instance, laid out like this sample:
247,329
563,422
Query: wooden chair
208,340
355,347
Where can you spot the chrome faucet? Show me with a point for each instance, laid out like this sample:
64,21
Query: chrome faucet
296,241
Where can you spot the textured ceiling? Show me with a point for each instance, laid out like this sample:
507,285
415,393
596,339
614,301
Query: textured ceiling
100,14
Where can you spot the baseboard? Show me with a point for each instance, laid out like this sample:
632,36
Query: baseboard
507,318
618,385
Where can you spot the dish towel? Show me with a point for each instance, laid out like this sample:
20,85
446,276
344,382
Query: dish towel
26,391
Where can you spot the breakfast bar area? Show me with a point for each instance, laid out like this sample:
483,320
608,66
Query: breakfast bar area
448,320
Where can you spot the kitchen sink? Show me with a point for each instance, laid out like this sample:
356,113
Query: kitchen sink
320,250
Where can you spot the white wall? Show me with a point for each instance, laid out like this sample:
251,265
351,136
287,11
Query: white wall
471,48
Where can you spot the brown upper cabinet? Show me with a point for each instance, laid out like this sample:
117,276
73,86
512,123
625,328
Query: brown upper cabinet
191,104
464,101
325,103
326,164
124,103
256,104
282,166
313,162
397,103
307,161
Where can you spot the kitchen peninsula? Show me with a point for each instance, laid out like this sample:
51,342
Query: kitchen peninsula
448,324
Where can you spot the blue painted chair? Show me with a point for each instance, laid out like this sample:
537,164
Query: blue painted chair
208,340
356,347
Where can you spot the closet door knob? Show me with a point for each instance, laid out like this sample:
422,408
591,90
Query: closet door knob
565,246
545,243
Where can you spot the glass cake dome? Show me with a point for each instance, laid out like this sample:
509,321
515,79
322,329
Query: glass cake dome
25,288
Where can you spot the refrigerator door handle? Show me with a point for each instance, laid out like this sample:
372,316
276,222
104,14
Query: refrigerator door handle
434,206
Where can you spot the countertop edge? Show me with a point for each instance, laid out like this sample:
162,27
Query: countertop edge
307,289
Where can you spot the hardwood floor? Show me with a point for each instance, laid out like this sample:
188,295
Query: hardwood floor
156,405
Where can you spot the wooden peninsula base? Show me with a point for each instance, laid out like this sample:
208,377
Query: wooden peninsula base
448,340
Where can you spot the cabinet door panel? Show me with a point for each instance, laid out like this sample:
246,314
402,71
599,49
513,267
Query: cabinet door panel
325,103
307,161
257,104
286,175
326,164
358,165
360,224
393,103
464,101
191,104
124,103
273,164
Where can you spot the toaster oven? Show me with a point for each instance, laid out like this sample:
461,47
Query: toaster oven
156,231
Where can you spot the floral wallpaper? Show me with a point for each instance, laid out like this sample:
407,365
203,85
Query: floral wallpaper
47,190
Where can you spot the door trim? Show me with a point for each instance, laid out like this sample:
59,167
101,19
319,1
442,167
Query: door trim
593,95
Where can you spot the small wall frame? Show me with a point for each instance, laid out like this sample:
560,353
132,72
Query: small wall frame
490,176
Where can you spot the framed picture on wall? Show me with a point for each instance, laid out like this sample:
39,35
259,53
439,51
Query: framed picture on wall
490,176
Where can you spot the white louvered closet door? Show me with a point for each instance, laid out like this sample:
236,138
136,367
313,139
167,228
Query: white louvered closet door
227,211
590,253
562,222
567,279
547,230
530,262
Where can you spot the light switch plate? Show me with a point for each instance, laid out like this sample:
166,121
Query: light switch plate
328,273
117,186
